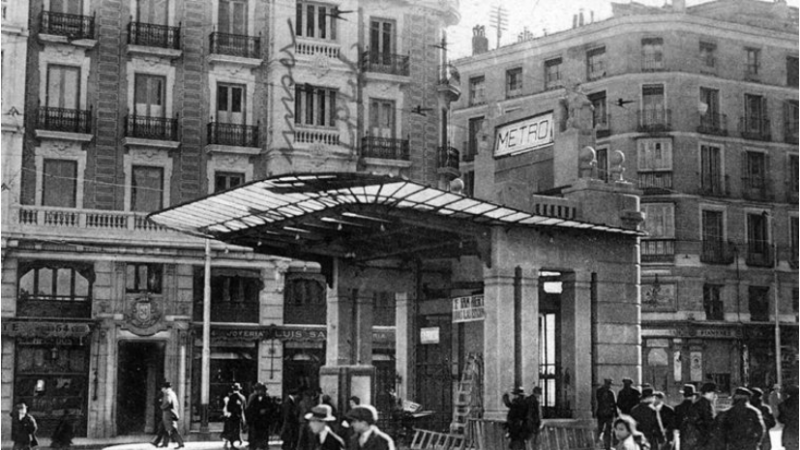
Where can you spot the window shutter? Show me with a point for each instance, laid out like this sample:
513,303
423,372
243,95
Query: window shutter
333,103
333,28
298,23
766,179
669,220
224,21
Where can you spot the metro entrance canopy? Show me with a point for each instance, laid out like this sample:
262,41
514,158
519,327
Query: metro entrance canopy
356,216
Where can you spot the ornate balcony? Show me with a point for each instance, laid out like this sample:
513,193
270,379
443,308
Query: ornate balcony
448,160
653,183
152,35
71,26
235,45
715,124
156,128
756,188
658,250
655,120
384,148
755,128
232,134
64,120
449,82
717,252
719,187
759,254
651,64
387,63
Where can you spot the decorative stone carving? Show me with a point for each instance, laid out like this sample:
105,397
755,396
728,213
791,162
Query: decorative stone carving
320,65
144,315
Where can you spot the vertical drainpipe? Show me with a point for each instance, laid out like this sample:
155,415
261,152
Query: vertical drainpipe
517,326
205,372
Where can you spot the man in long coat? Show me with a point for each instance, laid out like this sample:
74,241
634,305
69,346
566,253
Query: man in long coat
787,415
697,427
517,418
606,411
682,410
741,427
170,414
766,413
290,430
647,421
628,396
23,428
666,415
258,414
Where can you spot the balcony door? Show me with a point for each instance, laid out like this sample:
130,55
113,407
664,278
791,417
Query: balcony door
755,112
711,169
653,104
381,118
381,41
60,184
63,87
232,18
66,6
230,103
152,11
149,95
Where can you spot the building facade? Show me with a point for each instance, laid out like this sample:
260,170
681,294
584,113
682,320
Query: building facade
702,103
134,106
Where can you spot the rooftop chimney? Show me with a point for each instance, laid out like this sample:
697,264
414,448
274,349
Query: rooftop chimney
480,43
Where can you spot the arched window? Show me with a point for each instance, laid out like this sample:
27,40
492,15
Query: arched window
55,289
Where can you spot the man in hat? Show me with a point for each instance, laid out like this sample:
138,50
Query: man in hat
290,430
606,411
170,415
233,411
766,413
628,396
787,415
258,414
666,417
647,420
366,435
682,410
535,415
23,428
695,431
741,427
517,418
321,436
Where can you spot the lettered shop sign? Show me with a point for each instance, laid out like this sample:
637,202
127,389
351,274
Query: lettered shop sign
524,135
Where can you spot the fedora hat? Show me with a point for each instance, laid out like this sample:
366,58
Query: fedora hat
688,390
323,413
708,387
236,387
647,392
743,391
363,413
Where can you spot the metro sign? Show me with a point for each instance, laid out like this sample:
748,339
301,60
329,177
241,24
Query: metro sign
524,135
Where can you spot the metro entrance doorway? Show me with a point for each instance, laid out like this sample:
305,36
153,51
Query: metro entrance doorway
139,377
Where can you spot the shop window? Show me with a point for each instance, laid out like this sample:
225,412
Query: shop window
712,302
55,289
145,278
723,381
315,105
759,303
305,300
316,21
235,295
384,308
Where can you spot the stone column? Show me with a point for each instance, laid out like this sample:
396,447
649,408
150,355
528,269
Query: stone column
404,342
576,343
498,338
530,328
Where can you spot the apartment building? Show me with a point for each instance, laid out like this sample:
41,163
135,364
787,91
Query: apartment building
701,102
135,106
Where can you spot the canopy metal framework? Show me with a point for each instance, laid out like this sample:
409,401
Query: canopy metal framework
357,216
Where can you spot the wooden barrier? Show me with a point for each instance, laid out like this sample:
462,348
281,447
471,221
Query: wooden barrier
556,434
432,440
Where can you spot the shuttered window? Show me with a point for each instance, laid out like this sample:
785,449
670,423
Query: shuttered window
659,220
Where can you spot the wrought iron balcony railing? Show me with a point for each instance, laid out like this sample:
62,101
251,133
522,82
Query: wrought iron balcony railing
717,252
384,148
716,187
448,157
152,35
73,26
63,119
652,64
235,45
655,182
790,132
756,188
386,63
713,123
146,127
232,134
658,250
655,120
755,128
759,254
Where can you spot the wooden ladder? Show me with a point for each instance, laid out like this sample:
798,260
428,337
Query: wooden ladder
467,401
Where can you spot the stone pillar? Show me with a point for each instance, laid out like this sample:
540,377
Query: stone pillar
530,328
576,343
498,336
404,342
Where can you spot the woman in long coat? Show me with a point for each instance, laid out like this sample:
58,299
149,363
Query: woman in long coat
233,411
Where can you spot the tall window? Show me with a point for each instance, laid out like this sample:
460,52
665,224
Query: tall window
144,278
711,169
655,155
602,163
653,53
793,240
790,121
149,95
304,300
63,87
755,166
384,307
152,11
477,90
713,226
60,183
659,220
469,183
712,302
475,125
792,78
315,105
552,73
599,114
381,118
753,56
232,17
653,104
381,40
794,174
315,20
759,303
708,52
514,82
757,234
596,63
227,180
66,6
147,188
230,103
709,109
755,111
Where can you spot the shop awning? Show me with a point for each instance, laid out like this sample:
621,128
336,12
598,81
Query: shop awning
352,215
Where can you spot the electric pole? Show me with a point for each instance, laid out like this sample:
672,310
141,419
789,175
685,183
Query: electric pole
499,20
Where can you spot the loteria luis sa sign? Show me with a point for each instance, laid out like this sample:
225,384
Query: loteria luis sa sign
524,135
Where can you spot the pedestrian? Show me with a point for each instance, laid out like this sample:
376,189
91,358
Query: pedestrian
23,428
628,437
327,400
647,421
258,415
290,430
775,398
682,410
233,412
64,432
697,427
757,400
787,415
366,434
666,417
321,437
535,416
628,397
170,415
516,419
606,412
741,427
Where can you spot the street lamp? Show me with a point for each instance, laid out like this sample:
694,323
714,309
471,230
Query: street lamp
778,374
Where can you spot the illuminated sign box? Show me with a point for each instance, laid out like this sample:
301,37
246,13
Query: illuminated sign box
524,135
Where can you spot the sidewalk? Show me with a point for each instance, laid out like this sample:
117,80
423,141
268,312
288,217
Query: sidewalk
132,442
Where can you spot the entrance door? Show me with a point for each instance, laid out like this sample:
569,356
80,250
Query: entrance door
551,378
434,377
301,366
139,375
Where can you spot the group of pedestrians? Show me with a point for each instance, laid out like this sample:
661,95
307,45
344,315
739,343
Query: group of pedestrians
524,418
634,419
